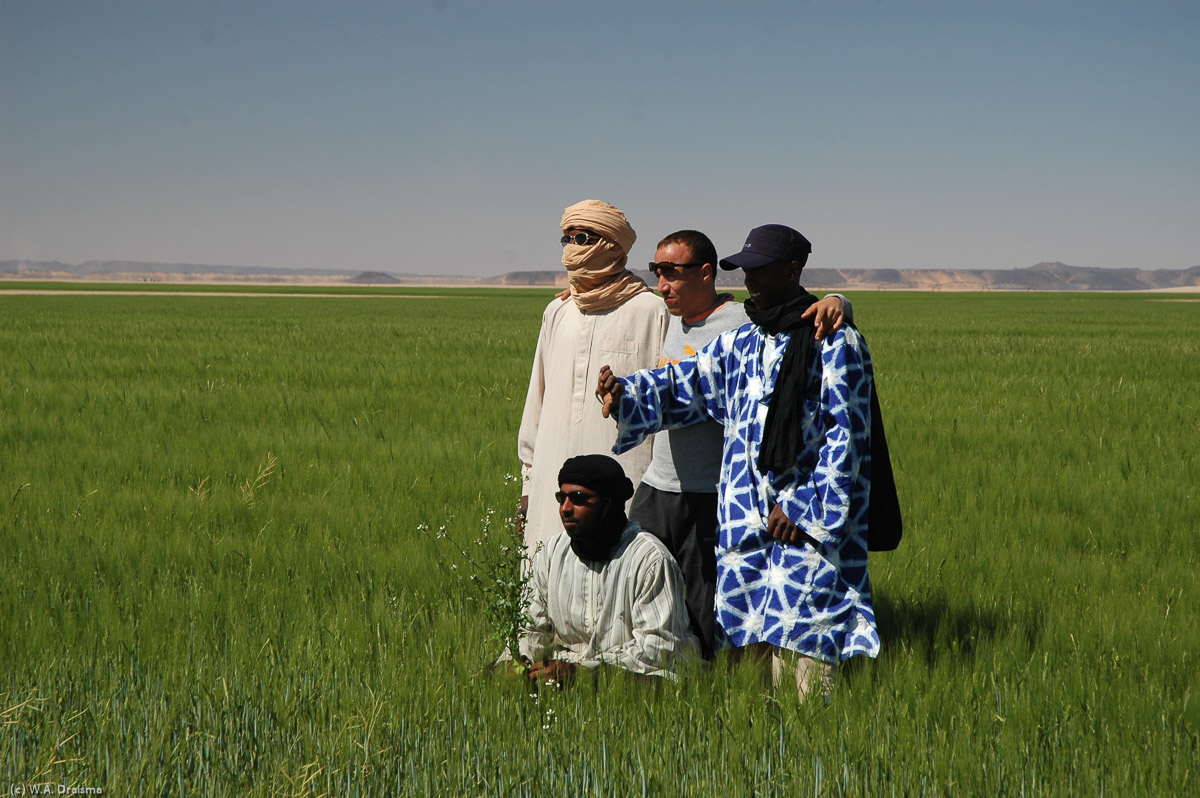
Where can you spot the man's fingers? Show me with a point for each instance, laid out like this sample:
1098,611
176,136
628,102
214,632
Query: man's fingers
609,391
829,321
780,527
773,526
604,383
828,324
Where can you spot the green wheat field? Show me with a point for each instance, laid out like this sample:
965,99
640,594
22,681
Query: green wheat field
214,582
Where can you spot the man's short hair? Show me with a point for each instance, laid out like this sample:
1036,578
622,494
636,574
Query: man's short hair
701,246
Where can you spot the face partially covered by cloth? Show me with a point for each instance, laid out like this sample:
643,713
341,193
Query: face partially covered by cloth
599,279
591,503
606,221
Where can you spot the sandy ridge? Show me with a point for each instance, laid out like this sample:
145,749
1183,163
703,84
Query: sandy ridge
77,292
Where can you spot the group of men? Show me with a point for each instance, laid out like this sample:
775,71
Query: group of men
743,525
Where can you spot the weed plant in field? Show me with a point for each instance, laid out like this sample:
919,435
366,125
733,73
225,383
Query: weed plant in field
215,584
496,578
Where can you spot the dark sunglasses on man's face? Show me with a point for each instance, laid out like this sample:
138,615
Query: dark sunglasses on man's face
579,238
577,497
670,270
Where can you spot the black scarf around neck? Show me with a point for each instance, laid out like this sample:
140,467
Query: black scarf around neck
599,546
783,437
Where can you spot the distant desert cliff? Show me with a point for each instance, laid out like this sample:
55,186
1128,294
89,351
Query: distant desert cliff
1042,277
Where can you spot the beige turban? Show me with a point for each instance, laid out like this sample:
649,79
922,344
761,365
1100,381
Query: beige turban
602,218
599,279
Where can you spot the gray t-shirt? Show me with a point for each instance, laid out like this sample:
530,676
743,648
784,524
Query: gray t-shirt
688,460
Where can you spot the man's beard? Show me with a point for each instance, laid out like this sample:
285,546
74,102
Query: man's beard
598,546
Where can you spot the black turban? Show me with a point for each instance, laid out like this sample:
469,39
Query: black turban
598,472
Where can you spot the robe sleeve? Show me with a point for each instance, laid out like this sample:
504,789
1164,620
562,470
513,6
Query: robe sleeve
531,416
677,395
819,501
661,636
537,639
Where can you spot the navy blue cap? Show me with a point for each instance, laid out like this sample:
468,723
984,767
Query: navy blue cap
769,244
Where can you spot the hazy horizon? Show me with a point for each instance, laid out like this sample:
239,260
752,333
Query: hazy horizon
446,137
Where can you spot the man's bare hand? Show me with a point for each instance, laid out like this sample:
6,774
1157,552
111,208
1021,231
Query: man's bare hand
609,389
828,315
780,527
551,670
510,667
564,294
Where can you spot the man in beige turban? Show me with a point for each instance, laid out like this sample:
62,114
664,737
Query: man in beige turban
612,317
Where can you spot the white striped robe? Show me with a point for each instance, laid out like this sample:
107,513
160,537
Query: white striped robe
627,612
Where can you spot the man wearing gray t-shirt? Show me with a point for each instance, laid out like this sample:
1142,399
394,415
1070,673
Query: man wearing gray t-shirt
677,499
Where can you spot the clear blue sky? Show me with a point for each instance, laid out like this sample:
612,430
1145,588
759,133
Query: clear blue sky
446,137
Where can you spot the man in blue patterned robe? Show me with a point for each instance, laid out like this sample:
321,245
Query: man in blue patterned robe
792,549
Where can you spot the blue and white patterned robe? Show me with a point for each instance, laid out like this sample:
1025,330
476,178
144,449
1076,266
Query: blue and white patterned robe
814,600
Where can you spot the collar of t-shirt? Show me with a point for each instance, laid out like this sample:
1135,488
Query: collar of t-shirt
722,299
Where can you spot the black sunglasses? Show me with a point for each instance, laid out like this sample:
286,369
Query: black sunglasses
579,238
668,269
577,497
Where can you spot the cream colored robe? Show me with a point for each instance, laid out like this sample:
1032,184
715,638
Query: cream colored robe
562,417
627,611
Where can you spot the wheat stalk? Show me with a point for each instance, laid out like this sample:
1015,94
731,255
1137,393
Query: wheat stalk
251,487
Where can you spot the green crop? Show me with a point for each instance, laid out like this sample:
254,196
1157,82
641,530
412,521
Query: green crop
215,580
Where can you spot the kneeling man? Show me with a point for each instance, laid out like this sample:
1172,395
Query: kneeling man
604,590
